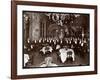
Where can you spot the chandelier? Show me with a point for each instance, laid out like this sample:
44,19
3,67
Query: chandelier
61,19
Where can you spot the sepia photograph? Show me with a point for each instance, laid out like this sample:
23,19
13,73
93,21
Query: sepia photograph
53,39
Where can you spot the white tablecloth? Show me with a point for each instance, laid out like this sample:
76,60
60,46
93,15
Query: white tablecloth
44,50
63,54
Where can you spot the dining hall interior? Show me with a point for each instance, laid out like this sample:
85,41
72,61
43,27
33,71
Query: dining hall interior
53,39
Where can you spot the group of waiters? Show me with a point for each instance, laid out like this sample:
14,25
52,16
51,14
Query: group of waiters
77,44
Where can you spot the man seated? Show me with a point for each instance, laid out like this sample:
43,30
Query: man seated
48,62
70,54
